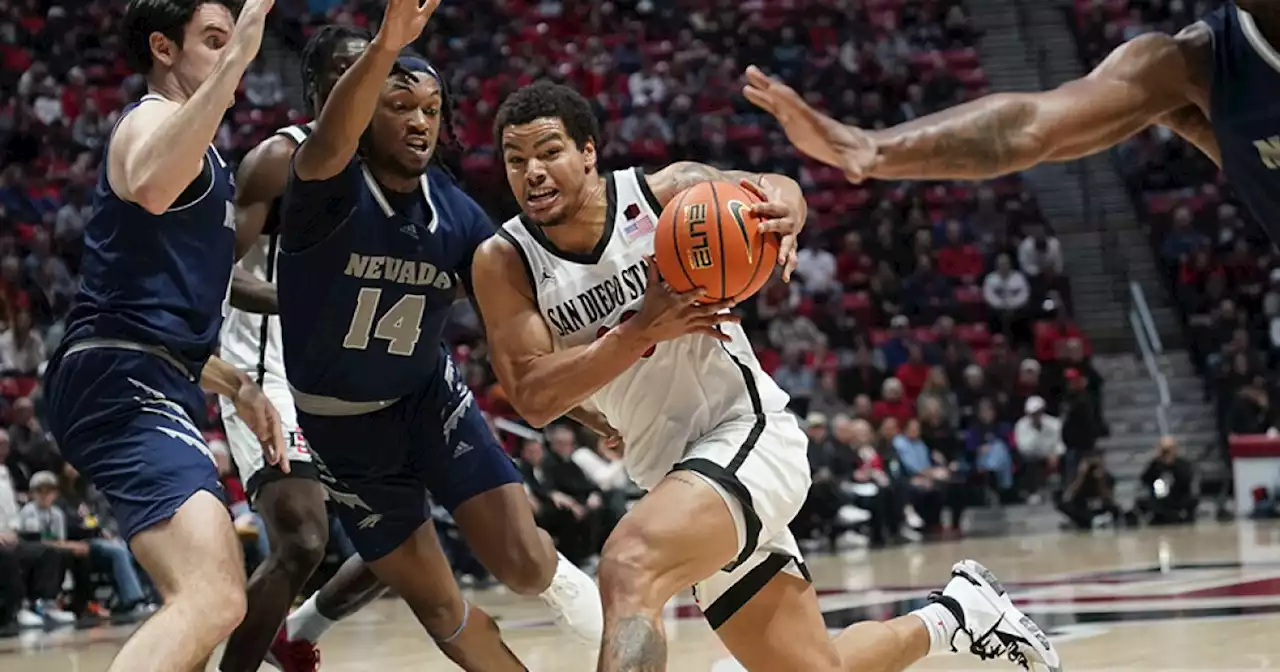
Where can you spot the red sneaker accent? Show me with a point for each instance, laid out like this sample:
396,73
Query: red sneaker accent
295,655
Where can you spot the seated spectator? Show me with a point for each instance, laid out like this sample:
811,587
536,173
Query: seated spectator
1089,499
927,293
937,390
1038,437
1040,258
568,521
1181,240
796,379
944,339
572,480
21,348
1027,385
817,270
872,487
89,519
987,450
1168,487
864,377
41,521
894,350
973,389
930,481
1053,333
893,403
828,401
1007,292
33,447
914,372
854,267
1003,368
1081,427
957,259
30,572
789,330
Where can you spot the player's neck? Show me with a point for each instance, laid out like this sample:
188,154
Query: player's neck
168,88
393,180
581,231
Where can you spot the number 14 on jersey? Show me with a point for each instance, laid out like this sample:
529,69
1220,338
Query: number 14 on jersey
400,326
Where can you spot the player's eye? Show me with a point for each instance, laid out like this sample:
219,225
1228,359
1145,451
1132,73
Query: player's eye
514,161
213,42
431,111
551,153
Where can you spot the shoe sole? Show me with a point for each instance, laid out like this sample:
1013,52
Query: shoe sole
975,572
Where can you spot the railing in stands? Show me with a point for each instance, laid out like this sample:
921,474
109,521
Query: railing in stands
1150,348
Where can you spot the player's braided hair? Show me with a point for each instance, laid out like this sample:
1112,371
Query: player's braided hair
317,58
449,149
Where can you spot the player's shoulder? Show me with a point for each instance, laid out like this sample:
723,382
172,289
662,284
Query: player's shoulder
272,154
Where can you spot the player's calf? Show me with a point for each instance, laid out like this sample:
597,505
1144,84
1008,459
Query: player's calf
298,526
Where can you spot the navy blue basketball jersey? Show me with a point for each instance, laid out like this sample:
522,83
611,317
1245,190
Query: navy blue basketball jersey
159,280
367,278
1245,111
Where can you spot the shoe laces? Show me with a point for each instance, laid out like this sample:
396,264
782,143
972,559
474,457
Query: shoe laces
992,645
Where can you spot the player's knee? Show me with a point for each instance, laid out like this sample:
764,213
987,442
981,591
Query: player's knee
526,569
441,618
221,604
302,548
631,563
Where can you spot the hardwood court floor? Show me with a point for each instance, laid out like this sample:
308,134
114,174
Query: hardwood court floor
1198,598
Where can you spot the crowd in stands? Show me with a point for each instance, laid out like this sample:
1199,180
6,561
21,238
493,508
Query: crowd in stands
927,341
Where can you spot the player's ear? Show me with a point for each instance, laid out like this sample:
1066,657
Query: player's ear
163,49
589,157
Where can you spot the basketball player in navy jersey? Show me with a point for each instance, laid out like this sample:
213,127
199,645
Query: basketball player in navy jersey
375,246
1213,84
576,314
291,504
126,383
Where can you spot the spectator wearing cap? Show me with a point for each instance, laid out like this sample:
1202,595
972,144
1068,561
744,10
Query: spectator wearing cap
893,403
30,572
41,521
1006,292
894,349
1038,437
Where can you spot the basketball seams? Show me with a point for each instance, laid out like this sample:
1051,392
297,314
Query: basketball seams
715,201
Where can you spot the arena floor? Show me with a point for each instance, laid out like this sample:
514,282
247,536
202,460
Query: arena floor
1199,598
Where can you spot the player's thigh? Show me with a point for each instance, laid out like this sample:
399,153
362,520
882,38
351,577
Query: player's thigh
680,532
780,626
760,466
363,462
194,552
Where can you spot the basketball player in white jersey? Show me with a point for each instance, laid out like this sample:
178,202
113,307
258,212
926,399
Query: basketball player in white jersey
576,315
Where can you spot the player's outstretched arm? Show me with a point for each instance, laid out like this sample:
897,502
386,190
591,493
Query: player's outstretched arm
1136,86
158,149
350,106
783,212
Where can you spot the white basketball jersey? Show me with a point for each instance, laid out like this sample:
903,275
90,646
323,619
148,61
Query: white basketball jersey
251,342
683,388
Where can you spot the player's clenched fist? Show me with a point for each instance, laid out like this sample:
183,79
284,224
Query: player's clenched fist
667,314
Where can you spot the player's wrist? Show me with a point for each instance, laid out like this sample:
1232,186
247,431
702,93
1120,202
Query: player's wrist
633,337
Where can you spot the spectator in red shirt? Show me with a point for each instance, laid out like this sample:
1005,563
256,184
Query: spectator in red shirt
1053,333
913,372
893,404
854,266
958,259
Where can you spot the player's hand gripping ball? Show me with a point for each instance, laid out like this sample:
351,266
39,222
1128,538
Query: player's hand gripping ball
708,238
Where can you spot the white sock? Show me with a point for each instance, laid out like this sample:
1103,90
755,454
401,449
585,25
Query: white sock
307,623
942,626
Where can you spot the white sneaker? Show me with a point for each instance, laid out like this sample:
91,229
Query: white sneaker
29,619
53,615
576,601
914,521
995,628
852,515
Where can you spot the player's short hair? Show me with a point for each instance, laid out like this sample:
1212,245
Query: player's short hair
167,17
547,99
317,58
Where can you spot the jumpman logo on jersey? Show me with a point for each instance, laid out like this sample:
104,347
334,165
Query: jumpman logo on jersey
547,277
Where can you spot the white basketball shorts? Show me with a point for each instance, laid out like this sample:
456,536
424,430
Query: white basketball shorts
246,449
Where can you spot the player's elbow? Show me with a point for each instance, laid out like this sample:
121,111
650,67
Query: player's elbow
535,407
151,197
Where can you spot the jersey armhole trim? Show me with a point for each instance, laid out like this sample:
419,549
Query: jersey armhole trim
646,191
524,261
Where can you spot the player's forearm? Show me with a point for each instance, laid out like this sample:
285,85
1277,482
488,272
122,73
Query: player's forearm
985,138
169,157
252,295
555,384
346,115
222,378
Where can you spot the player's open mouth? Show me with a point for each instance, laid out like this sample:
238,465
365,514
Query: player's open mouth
541,198
419,145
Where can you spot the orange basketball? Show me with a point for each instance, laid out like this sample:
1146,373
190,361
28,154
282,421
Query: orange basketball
707,238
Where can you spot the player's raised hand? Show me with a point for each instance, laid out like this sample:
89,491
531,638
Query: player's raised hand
404,20
779,216
250,26
812,132
263,420
668,314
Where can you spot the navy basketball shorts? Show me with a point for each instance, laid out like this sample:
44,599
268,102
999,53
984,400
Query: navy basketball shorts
381,467
124,420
